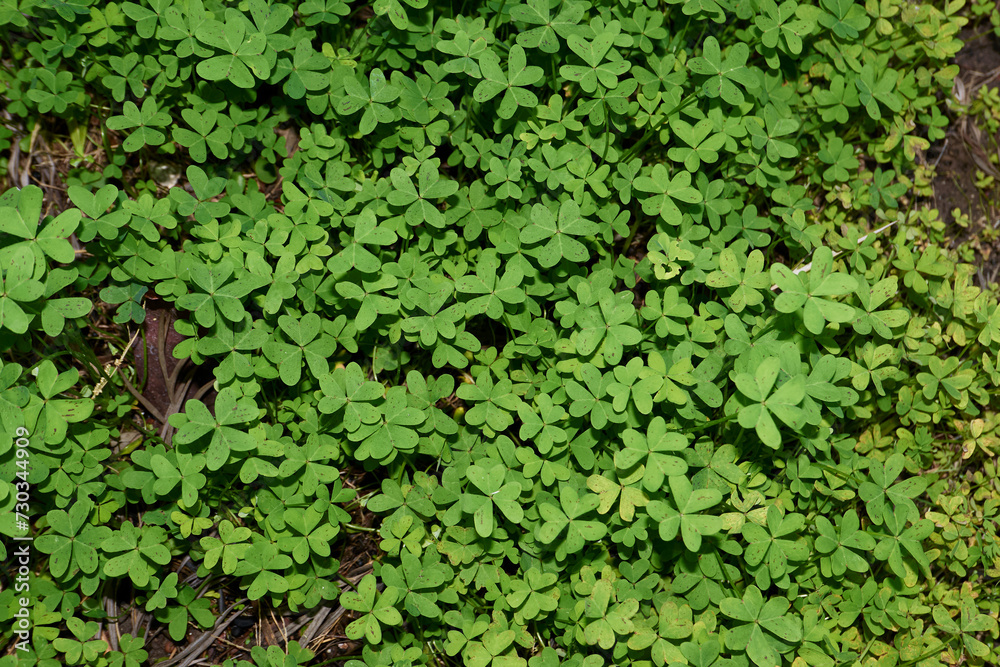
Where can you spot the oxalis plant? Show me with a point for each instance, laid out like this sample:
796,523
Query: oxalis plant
624,320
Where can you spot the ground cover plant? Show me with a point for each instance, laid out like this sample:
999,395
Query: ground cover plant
496,334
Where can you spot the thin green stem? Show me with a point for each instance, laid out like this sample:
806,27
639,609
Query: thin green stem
702,427
867,648
346,582
650,133
607,133
203,586
496,23
926,655
361,529
631,232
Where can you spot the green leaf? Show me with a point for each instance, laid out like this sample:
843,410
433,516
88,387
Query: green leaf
560,232
494,402
373,97
683,515
809,295
144,122
724,74
563,524
512,83
227,431
767,632
651,451
666,192
748,281
243,59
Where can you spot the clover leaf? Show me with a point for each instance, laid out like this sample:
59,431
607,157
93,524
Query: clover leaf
883,487
144,120
844,545
650,450
970,623
218,295
513,84
683,515
204,134
418,581
495,401
591,397
608,327
782,402
185,470
381,441
488,479
231,411
767,631
20,215
262,569
56,414
748,281
227,549
309,532
377,610
871,298
188,607
665,191
493,290
71,542
83,646
18,287
725,75
545,36
903,541
810,294
243,57
566,517
372,97
775,543
140,551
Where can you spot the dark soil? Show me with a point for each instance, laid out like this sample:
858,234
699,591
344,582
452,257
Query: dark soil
954,182
961,154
